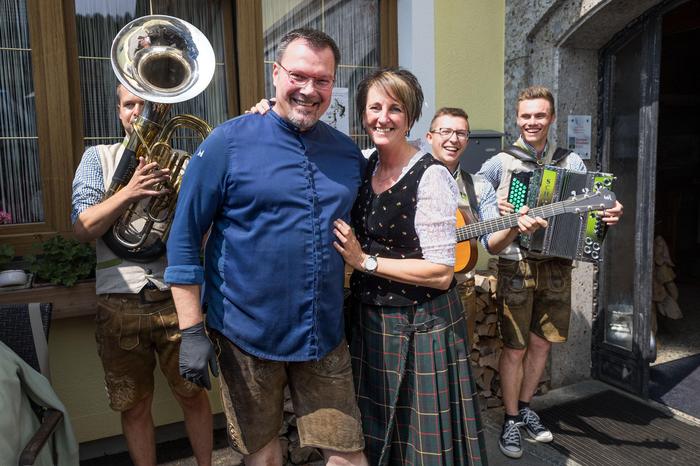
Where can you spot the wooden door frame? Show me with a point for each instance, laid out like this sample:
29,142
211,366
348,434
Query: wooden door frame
629,369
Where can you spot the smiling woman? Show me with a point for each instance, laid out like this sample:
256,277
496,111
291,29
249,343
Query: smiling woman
409,340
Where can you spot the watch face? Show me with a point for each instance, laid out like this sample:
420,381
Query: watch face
370,264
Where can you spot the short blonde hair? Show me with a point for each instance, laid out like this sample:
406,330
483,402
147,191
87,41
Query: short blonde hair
450,111
536,92
398,83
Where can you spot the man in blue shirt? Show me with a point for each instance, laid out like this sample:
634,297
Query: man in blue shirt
269,187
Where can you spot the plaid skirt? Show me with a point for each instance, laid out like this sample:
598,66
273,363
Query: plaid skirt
414,385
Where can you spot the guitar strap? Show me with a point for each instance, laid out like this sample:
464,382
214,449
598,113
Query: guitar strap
471,193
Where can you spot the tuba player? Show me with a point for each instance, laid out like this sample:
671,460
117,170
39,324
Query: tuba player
136,318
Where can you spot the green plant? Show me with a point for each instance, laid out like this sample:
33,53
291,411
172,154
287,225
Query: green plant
7,253
62,261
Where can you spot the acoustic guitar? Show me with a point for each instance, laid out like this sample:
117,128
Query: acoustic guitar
467,231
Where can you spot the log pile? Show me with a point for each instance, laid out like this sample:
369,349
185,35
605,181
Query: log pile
664,293
486,344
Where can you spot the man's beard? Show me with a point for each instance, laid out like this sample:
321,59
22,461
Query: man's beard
302,122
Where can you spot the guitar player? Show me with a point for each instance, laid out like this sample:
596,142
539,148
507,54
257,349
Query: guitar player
449,137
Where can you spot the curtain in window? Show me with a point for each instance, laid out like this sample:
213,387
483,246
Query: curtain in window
353,25
20,181
99,21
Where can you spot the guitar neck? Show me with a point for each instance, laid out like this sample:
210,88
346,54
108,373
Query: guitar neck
485,227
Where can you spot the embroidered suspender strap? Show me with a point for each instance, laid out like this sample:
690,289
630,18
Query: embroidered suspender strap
515,151
560,154
109,263
520,154
471,193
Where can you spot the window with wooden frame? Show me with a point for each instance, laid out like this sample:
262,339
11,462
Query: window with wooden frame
21,199
58,88
35,131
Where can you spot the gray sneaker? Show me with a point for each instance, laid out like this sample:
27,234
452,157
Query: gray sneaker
509,441
531,421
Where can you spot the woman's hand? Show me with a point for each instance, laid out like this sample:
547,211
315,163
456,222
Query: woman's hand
348,246
262,107
413,271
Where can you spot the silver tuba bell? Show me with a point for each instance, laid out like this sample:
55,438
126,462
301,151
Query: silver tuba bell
163,60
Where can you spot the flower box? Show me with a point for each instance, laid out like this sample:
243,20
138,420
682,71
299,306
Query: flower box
77,300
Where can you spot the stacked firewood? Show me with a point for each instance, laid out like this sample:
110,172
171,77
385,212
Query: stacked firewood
664,293
486,342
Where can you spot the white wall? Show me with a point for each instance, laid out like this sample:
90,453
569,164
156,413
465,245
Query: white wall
416,26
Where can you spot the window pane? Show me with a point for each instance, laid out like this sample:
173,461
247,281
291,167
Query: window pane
353,25
210,105
99,21
20,180
624,160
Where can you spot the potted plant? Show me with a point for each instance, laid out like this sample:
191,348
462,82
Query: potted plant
10,279
62,261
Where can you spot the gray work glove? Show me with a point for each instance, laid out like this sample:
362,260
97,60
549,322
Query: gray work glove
197,356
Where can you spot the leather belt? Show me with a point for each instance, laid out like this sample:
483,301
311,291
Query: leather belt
145,296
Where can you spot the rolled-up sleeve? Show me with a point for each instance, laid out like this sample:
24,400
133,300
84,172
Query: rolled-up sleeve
491,171
202,192
575,162
88,184
488,209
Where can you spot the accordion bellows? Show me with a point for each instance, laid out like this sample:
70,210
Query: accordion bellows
572,236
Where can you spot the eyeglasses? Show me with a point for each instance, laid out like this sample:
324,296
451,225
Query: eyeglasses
301,80
448,132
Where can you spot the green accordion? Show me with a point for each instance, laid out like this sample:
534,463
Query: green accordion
572,236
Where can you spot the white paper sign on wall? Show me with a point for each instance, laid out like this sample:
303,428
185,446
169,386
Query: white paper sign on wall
579,135
338,111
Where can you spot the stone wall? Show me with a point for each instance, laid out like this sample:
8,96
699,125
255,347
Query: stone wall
557,43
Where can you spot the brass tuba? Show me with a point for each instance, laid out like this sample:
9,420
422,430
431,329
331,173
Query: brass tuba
163,60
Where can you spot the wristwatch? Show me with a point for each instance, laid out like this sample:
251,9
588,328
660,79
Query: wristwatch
370,264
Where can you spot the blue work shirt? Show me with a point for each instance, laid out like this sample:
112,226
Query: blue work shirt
273,280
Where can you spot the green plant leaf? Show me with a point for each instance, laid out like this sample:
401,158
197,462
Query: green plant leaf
62,261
